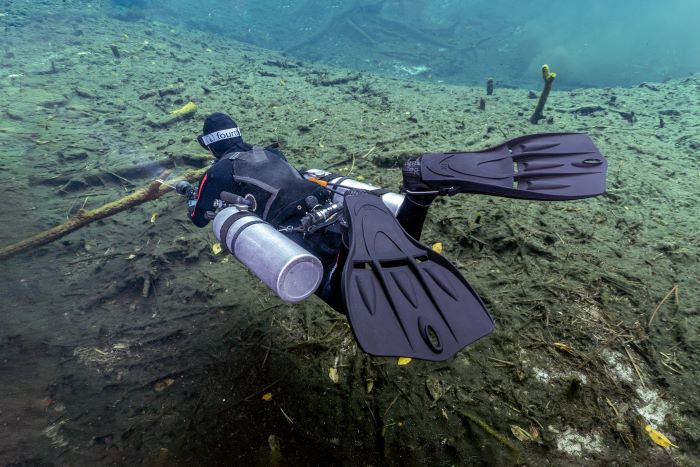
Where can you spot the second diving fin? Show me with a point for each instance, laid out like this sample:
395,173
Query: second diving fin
549,166
402,298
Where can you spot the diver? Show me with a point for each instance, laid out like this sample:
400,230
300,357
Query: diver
270,187
357,246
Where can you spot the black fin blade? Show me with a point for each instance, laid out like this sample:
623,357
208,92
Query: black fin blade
549,166
420,305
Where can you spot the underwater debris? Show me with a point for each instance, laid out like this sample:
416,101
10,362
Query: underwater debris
150,192
333,374
548,78
658,437
186,109
588,110
489,87
629,116
324,80
163,384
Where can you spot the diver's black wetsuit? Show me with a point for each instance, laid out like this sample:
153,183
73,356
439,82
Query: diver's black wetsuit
217,179
280,194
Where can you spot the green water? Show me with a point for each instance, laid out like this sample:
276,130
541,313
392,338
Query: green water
130,340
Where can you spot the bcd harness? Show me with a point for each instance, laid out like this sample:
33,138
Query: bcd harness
279,191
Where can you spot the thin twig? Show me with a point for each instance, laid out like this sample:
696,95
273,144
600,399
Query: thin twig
369,152
634,365
269,346
617,414
671,368
370,411
286,416
352,166
673,291
391,405
504,362
122,178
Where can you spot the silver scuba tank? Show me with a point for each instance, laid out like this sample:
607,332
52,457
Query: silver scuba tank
288,269
343,184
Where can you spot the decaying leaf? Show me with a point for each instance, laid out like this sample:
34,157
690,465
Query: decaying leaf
216,248
658,437
333,374
403,361
370,385
164,384
534,433
154,217
520,433
434,387
274,443
564,347
437,247
267,397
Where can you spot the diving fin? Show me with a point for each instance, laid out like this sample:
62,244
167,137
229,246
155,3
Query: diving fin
402,298
550,166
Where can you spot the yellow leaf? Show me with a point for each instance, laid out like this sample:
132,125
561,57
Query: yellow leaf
437,247
154,216
188,108
563,347
333,374
360,178
267,396
403,361
216,248
658,438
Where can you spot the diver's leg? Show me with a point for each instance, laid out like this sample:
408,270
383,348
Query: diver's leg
330,290
412,214
414,209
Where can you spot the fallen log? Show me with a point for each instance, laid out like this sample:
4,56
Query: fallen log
153,190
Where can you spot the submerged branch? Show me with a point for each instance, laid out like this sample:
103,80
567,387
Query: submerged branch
152,191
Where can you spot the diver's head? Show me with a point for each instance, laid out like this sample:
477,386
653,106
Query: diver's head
220,134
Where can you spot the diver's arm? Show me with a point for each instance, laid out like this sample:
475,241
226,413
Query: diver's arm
206,195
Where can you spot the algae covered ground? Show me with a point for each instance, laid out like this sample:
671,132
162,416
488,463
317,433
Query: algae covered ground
131,341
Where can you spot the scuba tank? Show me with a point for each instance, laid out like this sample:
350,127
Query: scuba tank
288,269
341,185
